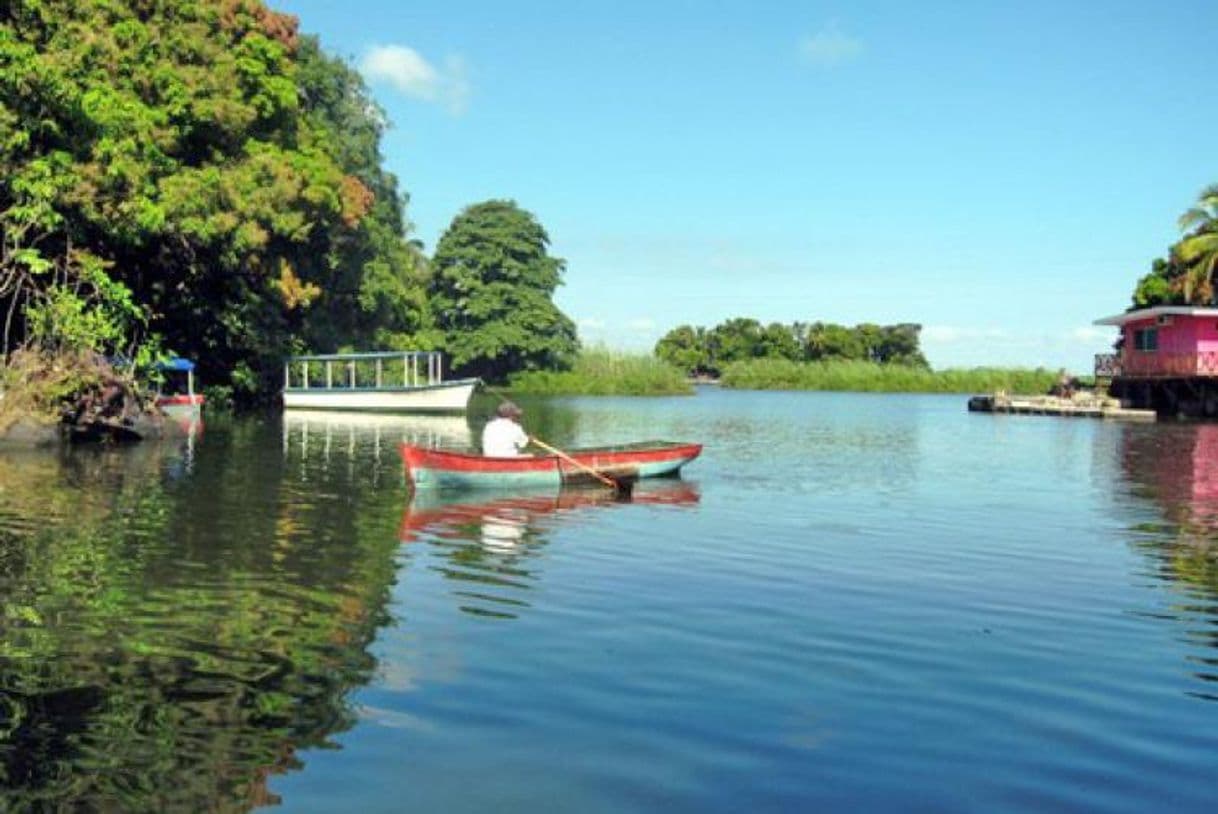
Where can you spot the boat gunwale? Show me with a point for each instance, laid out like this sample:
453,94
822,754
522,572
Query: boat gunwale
629,449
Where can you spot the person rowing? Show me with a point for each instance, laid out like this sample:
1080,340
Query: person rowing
503,437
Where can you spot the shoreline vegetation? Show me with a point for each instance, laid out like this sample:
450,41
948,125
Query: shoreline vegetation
603,372
872,377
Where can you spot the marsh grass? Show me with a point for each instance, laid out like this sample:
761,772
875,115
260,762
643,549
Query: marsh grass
603,372
856,376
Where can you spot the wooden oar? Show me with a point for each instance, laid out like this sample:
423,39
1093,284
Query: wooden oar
600,476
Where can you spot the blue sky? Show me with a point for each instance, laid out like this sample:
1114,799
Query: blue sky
1001,173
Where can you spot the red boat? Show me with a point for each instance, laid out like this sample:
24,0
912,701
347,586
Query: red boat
446,469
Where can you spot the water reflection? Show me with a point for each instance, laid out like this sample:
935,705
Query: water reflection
485,542
177,619
1177,466
329,432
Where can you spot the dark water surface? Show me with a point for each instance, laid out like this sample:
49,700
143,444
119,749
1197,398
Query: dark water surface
850,602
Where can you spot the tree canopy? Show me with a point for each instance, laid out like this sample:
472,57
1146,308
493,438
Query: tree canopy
491,293
200,169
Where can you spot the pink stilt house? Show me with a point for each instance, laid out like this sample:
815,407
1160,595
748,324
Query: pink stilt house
1167,359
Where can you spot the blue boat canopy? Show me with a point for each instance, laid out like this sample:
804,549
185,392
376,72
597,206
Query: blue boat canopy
176,363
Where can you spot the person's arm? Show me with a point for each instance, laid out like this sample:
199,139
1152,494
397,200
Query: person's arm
522,438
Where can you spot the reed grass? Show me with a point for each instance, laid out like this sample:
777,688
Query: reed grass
845,375
603,372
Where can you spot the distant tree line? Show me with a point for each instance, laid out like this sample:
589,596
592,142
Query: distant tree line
704,352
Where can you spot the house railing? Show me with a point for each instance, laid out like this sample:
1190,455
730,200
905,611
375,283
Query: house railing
1157,365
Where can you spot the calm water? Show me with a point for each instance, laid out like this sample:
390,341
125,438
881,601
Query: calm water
849,602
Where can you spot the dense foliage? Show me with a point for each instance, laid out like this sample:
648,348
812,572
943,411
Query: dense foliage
602,372
707,352
1187,275
194,168
864,376
491,289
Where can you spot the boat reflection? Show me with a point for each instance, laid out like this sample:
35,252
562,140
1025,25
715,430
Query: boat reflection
485,541
328,432
506,517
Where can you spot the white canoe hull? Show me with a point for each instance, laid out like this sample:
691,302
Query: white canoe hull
446,397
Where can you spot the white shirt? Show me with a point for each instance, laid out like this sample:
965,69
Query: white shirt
503,438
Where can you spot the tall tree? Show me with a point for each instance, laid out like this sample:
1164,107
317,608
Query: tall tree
492,286
1199,248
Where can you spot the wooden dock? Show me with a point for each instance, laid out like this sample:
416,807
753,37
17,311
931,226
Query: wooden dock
1082,406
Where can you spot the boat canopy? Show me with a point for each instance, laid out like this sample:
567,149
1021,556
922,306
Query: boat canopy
371,376
176,364
365,356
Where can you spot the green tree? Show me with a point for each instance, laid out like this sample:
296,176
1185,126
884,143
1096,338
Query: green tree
899,345
830,341
779,341
684,347
734,341
1160,286
491,293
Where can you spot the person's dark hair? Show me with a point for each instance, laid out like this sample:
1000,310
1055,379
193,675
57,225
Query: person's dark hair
509,409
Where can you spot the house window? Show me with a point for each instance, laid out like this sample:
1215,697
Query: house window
1146,339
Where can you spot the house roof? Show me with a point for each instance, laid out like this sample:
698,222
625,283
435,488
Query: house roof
1158,310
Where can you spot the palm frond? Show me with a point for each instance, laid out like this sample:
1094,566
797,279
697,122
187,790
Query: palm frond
1191,248
1194,217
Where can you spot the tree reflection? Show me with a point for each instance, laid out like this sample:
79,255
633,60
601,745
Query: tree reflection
171,635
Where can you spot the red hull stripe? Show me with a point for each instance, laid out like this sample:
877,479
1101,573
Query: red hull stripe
417,457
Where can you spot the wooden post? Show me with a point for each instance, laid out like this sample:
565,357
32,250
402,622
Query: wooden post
190,383
378,373
329,375
351,370
414,366
287,375
304,373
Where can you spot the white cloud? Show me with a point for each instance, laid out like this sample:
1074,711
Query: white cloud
1091,334
946,334
643,325
591,324
406,70
829,47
